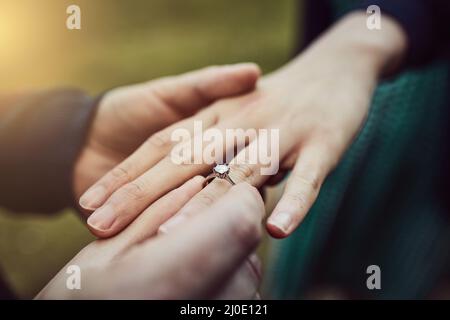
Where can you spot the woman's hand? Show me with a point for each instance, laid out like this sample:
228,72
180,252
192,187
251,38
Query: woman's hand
318,102
206,258
127,116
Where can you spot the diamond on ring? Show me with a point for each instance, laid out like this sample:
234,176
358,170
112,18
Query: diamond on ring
220,171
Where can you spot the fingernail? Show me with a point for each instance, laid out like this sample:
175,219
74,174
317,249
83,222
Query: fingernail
282,221
102,218
92,199
171,223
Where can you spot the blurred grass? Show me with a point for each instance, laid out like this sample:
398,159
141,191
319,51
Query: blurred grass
120,42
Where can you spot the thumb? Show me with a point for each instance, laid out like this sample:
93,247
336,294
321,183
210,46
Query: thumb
191,91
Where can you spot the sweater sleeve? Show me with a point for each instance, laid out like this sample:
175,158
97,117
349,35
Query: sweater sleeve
41,135
425,22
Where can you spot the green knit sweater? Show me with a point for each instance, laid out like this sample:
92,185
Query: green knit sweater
383,205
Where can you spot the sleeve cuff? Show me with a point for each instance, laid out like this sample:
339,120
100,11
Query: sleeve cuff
40,139
416,19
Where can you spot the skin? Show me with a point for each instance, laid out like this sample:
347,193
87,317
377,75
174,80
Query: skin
189,264
124,266
138,188
127,116
318,101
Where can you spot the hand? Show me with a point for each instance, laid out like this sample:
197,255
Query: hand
318,102
205,258
127,116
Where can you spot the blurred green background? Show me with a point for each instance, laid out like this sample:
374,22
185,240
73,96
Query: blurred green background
120,42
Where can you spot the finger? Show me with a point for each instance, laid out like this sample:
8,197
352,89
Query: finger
191,91
301,190
185,94
146,156
211,193
202,200
146,225
244,284
211,246
241,170
127,202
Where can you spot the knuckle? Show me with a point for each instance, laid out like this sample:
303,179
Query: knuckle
206,198
246,229
243,172
182,162
134,190
248,193
299,199
312,180
120,174
160,139
246,187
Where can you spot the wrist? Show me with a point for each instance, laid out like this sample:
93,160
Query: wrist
382,50
349,47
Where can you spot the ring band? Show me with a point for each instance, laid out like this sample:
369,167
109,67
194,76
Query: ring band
220,171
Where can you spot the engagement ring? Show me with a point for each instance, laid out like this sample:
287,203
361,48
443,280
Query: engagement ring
220,171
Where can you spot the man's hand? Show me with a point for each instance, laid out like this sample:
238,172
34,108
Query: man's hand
128,116
207,257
